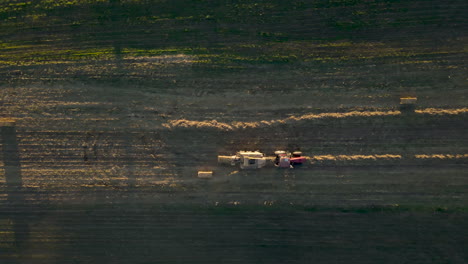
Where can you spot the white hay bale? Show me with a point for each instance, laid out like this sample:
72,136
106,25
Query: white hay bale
408,100
205,174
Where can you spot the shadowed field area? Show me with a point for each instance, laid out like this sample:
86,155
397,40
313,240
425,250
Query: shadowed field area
233,235
118,103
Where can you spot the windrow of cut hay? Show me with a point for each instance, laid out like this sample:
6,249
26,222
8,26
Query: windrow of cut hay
225,126
439,111
333,160
387,159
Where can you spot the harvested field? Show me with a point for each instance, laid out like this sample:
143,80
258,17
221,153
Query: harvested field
118,105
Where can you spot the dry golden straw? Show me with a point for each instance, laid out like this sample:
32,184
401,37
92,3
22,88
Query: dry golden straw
184,123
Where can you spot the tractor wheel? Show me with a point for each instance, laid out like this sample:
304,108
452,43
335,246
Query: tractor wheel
278,152
297,154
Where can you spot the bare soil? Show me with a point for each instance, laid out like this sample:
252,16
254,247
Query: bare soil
118,104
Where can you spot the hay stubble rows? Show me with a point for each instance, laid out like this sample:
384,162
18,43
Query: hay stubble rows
118,104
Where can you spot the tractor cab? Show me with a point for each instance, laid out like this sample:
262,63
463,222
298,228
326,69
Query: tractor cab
284,159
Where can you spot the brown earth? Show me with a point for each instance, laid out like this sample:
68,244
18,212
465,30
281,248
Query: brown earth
119,103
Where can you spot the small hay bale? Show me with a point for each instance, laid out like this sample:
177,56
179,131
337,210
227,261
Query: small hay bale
205,174
408,100
408,104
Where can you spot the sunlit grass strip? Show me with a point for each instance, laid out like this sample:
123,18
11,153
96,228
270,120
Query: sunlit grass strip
7,235
52,54
158,52
271,53
7,122
44,54
344,51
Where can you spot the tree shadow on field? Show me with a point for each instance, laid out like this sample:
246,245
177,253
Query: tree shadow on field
15,210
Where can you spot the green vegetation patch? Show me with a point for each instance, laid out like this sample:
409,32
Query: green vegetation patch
227,36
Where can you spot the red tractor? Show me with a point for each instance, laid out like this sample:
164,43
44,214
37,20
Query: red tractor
285,159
